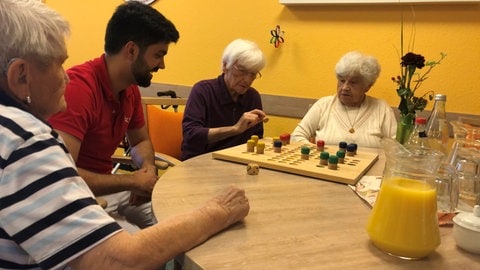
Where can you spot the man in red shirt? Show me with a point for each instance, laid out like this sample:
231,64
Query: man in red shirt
104,105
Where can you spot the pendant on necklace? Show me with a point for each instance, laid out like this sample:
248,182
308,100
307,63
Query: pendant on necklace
351,130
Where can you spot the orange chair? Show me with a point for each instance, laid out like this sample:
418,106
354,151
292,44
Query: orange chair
165,130
164,126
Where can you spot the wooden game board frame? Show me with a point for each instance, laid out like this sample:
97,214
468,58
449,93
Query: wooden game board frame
349,173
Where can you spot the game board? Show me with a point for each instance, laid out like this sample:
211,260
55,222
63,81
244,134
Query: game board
289,160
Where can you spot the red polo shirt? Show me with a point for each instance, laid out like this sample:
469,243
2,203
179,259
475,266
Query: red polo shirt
95,117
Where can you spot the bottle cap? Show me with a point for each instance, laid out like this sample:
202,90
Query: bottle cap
440,97
420,120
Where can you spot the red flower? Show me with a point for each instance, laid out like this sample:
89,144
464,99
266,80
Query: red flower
412,59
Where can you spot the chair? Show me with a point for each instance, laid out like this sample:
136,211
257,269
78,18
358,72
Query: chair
165,131
164,126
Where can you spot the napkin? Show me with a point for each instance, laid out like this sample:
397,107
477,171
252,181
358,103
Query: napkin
367,188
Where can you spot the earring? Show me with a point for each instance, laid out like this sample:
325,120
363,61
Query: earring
28,100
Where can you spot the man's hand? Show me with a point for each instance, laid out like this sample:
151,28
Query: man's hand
144,181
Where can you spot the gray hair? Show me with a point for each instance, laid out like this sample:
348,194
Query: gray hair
30,29
244,52
356,63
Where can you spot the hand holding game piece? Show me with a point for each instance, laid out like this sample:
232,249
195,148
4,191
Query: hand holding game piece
250,119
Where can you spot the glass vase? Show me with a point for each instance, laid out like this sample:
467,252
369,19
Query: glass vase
405,127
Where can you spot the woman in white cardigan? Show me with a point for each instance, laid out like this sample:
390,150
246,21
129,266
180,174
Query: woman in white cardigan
350,115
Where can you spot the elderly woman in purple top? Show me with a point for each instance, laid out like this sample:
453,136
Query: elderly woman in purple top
225,111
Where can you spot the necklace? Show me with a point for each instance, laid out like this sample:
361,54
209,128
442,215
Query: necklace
352,129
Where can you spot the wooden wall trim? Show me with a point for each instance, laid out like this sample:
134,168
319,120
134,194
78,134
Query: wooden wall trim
285,106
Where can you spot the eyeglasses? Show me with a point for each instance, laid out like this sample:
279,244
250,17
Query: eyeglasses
245,73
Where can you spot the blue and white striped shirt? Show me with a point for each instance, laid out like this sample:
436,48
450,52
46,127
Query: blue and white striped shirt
48,215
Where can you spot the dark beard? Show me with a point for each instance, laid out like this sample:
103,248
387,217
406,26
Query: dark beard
140,74
143,80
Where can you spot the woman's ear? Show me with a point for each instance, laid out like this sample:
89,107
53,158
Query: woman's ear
17,78
368,87
224,67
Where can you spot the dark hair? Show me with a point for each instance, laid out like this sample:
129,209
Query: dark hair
140,23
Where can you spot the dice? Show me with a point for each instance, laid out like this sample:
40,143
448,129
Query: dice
253,168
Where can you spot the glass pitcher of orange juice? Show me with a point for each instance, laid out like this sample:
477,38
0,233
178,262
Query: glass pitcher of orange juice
403,221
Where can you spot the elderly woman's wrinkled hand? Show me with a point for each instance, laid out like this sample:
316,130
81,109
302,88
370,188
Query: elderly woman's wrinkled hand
250,119
233,200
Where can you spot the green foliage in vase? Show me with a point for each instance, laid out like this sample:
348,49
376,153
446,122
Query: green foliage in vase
408,84
410,81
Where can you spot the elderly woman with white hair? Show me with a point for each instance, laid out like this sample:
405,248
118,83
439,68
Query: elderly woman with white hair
225,111
350,115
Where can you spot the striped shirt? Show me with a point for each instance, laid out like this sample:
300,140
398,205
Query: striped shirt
48,215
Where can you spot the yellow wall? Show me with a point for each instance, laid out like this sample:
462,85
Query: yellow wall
315,38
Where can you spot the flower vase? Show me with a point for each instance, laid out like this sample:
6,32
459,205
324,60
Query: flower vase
405,127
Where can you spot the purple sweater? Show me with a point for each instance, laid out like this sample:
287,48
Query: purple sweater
210,105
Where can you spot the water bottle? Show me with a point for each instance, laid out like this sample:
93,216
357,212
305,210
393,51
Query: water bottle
437,125
418,137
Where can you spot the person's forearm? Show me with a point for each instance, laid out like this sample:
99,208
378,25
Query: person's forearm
143,155
154,246
220,133
181,233
102,184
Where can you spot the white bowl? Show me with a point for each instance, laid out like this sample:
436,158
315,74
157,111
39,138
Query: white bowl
466,230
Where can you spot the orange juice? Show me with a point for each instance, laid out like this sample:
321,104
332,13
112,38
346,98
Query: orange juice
404,221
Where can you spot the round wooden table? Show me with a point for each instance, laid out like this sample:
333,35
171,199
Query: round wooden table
295,222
